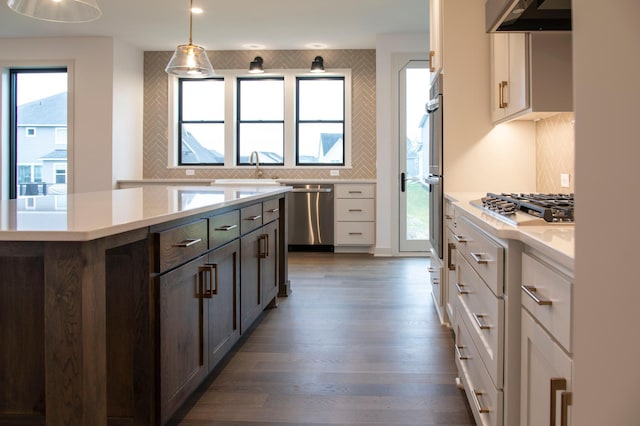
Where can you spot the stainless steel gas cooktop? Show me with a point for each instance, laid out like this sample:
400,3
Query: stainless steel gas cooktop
529,209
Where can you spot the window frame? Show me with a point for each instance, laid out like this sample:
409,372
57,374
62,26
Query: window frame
230,76
181,122
239,121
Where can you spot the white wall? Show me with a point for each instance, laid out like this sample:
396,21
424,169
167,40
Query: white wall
388,48
607,282
91,63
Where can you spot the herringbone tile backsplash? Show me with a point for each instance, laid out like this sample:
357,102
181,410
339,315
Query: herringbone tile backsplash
555,153
363,110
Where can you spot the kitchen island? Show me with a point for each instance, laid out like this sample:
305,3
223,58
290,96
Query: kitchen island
115,305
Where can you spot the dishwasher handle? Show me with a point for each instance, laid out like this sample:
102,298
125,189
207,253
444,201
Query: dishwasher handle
311,190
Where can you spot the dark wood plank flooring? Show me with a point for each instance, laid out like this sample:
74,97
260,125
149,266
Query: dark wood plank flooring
357,343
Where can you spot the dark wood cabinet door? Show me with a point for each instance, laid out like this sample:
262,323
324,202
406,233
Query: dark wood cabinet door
250,289
224,304
269,272
183,333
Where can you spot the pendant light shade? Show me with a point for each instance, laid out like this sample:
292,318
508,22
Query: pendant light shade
72,11
190,60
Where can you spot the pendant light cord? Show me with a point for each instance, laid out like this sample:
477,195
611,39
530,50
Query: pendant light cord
190,21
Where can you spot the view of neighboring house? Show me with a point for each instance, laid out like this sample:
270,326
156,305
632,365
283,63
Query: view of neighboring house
42,146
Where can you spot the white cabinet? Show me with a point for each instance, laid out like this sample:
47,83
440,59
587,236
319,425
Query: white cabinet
449,278
435,36
531,75
354,215
546,377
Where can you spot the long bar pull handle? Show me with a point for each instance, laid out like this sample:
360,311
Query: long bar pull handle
355,233
355,210
450,248
264,246
478,258
557,384
566,399
460,238
355,192
226,227
276,210
432,66
501,87
476,401
459,354
531,292
478,319
208,275
253,217
460,288
187,243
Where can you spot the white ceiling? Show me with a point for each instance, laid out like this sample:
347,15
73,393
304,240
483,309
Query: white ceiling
237,24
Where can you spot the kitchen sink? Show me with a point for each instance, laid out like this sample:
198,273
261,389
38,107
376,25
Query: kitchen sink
245,182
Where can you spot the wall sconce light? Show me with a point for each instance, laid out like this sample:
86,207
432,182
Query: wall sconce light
255,67
318,64
72,11
190,60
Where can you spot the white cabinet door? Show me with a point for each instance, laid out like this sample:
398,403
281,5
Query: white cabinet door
435,36
545,395
509,80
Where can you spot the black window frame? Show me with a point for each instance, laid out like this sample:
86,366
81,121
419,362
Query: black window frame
181,122
239,120
298,121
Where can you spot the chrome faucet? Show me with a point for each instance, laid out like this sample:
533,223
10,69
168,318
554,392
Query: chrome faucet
258,172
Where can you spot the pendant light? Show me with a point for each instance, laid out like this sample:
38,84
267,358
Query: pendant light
71,11
190,60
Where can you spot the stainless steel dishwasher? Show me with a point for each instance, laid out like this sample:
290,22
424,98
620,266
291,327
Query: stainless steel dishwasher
310,218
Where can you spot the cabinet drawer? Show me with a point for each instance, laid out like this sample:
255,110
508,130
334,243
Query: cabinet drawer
250,218
482,253
354,191
354,233
450,216
485,316
355,210
484,398
270,210
224,228
546,294
180,244
434,279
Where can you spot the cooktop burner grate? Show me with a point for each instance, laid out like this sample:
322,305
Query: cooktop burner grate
552,208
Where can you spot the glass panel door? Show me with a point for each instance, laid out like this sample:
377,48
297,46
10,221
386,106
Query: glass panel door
413,144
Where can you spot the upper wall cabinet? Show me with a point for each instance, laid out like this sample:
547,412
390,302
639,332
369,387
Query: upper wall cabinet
435,36
530,75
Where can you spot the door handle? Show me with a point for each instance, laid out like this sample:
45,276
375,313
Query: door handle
403,182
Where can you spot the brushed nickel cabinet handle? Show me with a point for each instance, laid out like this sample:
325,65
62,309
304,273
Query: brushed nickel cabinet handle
459,354
355,192
355,233
450,248
557,384
432,54
460,238
264,246
566,399
187,243
208,276
502,102
431,269
460,288
476,401
273,210
478,258
355,210
478,319
226,227
448,216
531,292
253,217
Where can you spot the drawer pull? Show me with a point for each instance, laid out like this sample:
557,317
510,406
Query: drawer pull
253,217
460,289
531,292
450,248
460,238
478,258
187,243
226,227
476,401
478,319
448,216
355,192
208,275
557,384
431,269
355,210
459,354
355,233
276,210
264,246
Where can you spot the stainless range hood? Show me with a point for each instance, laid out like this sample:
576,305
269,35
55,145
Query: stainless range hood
528,15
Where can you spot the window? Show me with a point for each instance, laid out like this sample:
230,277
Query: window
60,171
201,123
261,120
320,121
30,132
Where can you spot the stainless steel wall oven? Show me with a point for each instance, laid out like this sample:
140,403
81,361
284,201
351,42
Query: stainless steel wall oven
434,177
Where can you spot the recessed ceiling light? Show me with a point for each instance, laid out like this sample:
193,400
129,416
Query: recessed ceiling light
317,46
253,46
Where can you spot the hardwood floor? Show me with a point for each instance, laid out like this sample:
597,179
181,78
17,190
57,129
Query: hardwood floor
358,342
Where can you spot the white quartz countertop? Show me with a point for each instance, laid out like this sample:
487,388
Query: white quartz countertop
555,240
91,215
